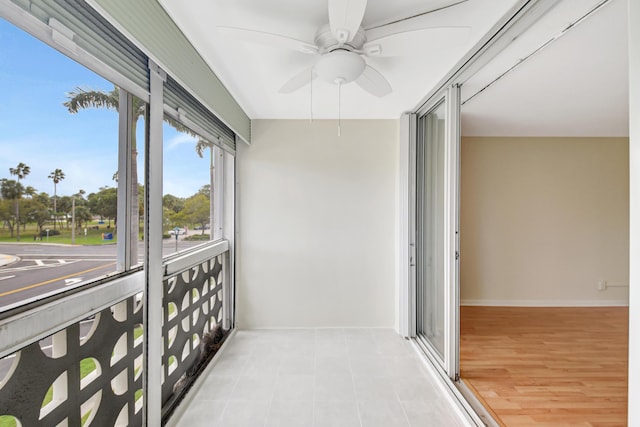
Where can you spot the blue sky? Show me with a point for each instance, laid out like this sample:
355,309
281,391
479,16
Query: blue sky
36,129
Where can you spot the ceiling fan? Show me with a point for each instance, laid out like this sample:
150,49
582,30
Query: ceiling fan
340,48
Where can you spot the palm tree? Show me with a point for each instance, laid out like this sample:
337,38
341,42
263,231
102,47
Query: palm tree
81,99
20,172
201,146
30,191
56,176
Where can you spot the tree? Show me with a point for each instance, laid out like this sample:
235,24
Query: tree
140,203
37,212
83,215
196,211
80,195
43,198
65,204
206,191
82,212
82,99
201,146
7,214
20,171
10,190
104,203
56,176
30,191
173,203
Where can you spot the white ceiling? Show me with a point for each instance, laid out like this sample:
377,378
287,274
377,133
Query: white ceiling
254,73
576,86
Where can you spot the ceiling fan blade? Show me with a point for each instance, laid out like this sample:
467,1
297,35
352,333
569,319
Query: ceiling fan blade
402,43
374,82
432,7
301,79
458,14
345,17
269,39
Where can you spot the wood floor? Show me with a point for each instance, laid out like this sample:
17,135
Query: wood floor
547,366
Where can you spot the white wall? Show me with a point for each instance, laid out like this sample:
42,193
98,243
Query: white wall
634,153
316,224
543,220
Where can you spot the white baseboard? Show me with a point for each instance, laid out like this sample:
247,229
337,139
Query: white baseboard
545,303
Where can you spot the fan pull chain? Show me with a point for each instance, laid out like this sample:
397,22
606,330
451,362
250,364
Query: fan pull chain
339,109
311,96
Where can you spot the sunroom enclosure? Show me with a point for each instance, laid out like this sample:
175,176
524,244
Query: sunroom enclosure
149,327
83,354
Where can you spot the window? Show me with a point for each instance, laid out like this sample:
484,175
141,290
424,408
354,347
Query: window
72,168
59,135
189,164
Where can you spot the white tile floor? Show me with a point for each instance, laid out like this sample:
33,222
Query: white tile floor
318,378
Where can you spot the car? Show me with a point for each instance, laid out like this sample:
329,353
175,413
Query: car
177,230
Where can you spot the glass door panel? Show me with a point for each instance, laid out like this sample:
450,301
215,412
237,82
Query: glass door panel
431,229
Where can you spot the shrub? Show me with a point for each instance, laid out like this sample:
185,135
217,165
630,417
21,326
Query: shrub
197,237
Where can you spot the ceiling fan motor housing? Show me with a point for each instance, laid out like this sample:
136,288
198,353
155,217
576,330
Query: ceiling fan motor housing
327,41
338,62
340,66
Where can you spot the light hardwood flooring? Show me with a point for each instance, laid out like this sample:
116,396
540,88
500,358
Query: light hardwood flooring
547,366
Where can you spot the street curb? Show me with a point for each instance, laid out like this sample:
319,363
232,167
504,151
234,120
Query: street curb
40,243
8,259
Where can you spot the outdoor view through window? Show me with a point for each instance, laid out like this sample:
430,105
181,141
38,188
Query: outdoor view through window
59,174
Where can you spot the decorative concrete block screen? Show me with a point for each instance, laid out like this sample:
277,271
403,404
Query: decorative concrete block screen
90,372
87,374
193,302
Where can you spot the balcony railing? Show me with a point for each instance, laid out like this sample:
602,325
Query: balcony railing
195,321
78,361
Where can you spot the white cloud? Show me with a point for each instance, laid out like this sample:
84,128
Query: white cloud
179,139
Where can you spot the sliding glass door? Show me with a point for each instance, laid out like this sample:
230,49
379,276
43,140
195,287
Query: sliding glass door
430,220
437,170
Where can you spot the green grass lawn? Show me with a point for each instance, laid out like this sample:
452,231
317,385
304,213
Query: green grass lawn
93,237
137,332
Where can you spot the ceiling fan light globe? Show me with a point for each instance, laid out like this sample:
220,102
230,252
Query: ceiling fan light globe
340,66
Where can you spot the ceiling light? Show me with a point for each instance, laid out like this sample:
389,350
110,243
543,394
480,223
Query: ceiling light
340,66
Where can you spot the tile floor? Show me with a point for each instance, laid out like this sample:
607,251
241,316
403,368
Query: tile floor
319,378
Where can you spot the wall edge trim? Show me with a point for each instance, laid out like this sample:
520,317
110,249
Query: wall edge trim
544,303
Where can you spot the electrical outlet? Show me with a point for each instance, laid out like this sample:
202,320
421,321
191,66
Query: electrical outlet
602,285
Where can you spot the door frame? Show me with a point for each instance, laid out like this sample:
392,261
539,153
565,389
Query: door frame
452,229
507,29
449,361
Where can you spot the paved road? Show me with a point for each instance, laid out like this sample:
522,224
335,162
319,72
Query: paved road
47,268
